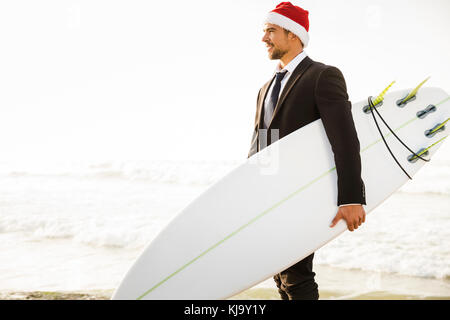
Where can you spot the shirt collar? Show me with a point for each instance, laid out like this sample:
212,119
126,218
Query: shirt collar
290,67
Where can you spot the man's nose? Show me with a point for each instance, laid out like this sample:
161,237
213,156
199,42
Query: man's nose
264,38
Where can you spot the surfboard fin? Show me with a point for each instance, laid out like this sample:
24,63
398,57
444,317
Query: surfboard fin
423,113
413,158
378,100
382,94
439,127
430,108
411,96
423,152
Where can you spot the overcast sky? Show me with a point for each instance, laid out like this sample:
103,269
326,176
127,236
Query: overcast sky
179,79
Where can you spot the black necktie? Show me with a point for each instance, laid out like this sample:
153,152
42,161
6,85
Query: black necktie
273,99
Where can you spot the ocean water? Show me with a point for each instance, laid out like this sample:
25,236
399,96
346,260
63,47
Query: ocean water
80,225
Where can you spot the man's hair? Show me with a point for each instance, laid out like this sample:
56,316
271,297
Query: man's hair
286,32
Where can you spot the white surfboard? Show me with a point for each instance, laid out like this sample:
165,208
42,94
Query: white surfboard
235,234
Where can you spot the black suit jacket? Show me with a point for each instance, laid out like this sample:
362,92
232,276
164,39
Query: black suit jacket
313,91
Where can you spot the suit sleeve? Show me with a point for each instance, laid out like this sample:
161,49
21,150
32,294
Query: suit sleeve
335,111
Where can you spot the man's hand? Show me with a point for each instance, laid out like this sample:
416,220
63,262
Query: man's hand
353,214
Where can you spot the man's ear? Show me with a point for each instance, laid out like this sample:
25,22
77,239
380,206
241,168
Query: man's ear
293,36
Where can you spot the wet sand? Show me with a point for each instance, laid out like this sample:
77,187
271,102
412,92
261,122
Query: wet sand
251,294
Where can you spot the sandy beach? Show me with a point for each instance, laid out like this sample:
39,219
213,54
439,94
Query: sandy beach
334,284
251,294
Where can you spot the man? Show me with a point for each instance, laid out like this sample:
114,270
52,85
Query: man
302,91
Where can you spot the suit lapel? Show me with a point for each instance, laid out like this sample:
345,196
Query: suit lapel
296,75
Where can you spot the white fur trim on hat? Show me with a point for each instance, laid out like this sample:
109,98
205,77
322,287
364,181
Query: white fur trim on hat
288,24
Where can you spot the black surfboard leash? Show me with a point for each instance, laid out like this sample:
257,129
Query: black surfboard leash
372,107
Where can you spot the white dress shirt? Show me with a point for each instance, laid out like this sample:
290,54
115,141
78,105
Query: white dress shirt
290,67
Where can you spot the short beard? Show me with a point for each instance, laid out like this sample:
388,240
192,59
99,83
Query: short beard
277,54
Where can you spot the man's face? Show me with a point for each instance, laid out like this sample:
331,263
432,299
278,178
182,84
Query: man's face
276,41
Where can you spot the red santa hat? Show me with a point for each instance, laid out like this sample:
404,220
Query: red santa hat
292,18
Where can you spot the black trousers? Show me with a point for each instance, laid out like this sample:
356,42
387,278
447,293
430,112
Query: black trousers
297,282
